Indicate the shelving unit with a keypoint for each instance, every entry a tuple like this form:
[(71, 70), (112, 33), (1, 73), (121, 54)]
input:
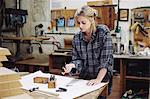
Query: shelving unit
[(134, 72), (62, 13), (138, 78), (141, 17), (106, 15)]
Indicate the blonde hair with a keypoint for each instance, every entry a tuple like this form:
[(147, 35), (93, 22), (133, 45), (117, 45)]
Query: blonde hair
[(90, 14)]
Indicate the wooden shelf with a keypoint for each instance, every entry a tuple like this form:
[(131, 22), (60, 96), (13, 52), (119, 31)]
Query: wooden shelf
[(106, 5), (24, 38), (138, 78)]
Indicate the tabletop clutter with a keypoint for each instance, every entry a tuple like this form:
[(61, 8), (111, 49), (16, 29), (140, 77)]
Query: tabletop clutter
[(51, 81), (44, 80)]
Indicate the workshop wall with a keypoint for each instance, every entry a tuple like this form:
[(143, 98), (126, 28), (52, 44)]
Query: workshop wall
[(9, 4), (75, 4), (125, 25), (124, 4), (39, 13)]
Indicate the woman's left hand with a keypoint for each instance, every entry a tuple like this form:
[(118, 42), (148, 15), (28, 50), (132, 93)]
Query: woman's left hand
[(93, 82)]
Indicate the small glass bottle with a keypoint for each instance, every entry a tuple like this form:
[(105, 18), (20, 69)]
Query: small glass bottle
[(131, 47)]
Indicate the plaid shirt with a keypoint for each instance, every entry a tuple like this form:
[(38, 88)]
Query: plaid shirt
[(90, 57)]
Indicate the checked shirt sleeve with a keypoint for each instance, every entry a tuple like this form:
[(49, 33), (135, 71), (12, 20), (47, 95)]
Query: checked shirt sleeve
[(106, 59), (75, 57)]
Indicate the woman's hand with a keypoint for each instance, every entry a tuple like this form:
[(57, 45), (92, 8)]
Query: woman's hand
[(99, 78), (68, 68), (93, 82)]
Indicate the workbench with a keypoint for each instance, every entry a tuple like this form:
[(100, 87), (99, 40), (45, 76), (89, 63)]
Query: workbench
[(27, 38), (19, 40), (123, 60), (33, 64), (36, 95), (77, 89), (58, 59)]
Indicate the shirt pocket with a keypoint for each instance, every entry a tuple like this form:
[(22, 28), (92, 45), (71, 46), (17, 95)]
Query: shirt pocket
[(97, 47)]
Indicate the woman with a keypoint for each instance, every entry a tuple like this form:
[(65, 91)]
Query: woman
[(92, 54)]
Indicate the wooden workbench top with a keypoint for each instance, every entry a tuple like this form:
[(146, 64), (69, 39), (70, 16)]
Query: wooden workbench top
[(42, 61), (131, 57)]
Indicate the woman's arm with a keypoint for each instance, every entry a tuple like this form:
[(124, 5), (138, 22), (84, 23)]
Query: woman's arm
[(76, 60), (106, 58)]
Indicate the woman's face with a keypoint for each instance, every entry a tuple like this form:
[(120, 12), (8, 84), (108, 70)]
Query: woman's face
[(84, 24)]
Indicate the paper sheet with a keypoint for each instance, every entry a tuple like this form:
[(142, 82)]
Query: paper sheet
[(75, 87)]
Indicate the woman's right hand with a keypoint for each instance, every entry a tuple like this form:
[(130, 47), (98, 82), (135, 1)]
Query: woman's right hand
[(68, 68)]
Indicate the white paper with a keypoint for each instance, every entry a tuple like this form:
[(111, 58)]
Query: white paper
[(75, 87)]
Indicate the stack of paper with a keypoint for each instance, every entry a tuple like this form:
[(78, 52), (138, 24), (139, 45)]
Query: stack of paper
[(3, 53), (9, 83)]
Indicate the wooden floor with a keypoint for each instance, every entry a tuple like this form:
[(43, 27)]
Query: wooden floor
[(115, 88)]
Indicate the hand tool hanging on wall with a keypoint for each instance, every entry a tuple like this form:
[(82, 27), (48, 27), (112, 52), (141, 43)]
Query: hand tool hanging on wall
[(30, 48), (40, 48), (38, 30)]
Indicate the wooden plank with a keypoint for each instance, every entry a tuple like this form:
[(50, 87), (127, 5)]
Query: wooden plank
[(57, 53), (21, 96), (24, 38), (35, 62), (9, 85), (11, 92), (5, 71), (1, 64), (4, 51), (8, 75), (138, 78), (3, 58)]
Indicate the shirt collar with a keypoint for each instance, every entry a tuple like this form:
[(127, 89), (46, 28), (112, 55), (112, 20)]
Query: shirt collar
[(82, 36)]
